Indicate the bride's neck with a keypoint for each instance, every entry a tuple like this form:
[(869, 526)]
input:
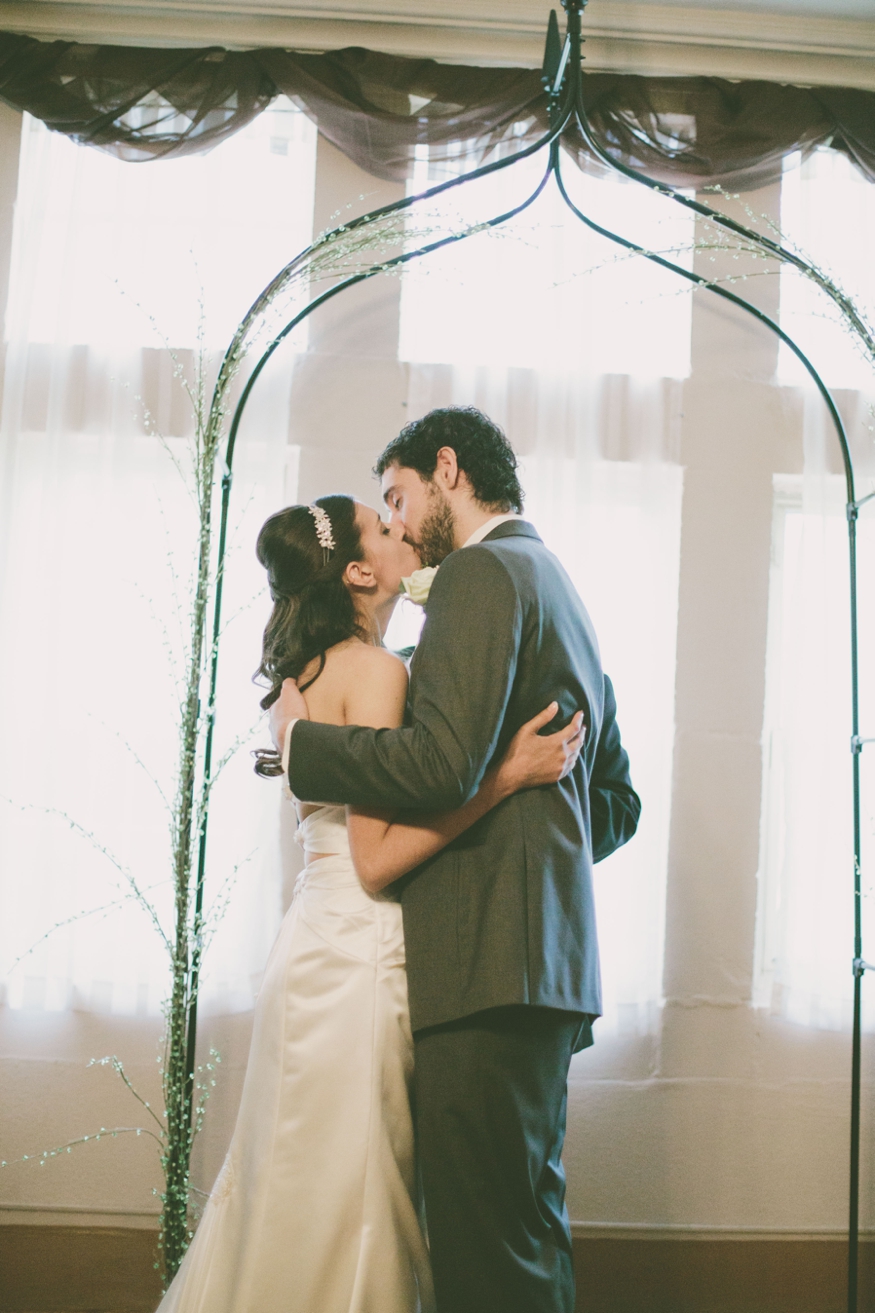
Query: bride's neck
[(374, 618)]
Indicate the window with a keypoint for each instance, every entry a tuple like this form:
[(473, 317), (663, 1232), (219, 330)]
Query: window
[(805, 914), (544, 292), (99, 536), (631, 592), (132, 247), (828, 212)]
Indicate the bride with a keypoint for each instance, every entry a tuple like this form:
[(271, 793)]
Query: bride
[(315, 1209)]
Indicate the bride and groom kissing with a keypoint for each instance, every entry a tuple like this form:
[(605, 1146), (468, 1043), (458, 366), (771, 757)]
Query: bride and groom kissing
[(398, 1144)]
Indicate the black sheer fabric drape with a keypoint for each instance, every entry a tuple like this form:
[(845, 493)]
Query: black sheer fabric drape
[(144, 104)]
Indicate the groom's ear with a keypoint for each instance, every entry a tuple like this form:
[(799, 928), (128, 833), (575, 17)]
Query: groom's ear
[(446, 470)]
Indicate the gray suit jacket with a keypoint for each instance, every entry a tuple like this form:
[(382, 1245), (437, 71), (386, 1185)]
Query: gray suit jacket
[(504, 914)]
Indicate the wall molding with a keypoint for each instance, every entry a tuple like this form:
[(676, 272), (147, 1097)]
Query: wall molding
[(622, 36), (77, 1215), (81, 1215), (693, 1231)]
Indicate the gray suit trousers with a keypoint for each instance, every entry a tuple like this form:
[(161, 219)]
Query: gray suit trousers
[(490, 1099)]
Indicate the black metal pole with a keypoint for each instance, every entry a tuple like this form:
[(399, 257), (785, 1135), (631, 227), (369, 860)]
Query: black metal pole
[(197, 953), (858, 964)]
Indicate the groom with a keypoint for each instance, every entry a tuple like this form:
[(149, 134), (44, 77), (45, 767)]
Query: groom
[(502, 958)]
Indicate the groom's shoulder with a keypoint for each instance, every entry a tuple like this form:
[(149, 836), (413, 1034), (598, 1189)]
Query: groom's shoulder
[(494, 562), (475, 566), (473, 580), (515, 545), (535, 572)]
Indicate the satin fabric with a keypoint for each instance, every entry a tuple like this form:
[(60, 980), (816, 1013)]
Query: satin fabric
[(315, 1209)]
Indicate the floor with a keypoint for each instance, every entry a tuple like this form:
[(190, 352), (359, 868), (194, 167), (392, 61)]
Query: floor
[(83, 1270)]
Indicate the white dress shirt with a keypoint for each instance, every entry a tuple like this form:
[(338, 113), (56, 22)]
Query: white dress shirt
[(479, 534)]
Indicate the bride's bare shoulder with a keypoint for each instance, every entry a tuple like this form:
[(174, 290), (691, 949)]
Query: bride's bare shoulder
[(363, 661), (359, 685), (375, 686)]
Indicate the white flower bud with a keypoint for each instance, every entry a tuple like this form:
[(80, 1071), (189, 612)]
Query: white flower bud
[(417, 586)]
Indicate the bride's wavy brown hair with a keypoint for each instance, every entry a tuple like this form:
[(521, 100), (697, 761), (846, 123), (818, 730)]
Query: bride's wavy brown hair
[(312, 606)]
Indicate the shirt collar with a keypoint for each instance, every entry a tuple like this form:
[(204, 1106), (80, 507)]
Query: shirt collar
[(485, 529)]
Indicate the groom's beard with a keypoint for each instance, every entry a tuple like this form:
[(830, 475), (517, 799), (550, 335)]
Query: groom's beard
[(437, 531)]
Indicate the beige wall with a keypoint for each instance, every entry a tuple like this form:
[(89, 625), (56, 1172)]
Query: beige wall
[(804, 42), (726, 1118)]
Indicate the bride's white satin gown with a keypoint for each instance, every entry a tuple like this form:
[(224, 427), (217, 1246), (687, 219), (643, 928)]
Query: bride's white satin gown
[(314, 1210)]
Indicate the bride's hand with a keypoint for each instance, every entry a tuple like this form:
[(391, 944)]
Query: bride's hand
[(533, 759)]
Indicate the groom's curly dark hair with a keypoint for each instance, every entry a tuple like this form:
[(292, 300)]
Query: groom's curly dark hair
[(481, 448)]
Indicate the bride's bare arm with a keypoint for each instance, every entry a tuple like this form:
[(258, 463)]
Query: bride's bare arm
[(384, 848)]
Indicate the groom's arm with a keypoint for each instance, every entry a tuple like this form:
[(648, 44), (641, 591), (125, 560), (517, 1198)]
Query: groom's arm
[(464, 671), (614, 804)]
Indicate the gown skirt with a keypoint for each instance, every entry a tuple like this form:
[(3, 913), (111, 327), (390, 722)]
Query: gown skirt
[(315, 1209)]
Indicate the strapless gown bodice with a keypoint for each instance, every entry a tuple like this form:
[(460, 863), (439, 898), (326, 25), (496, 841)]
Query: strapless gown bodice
[(316, 1207), (324, 830)]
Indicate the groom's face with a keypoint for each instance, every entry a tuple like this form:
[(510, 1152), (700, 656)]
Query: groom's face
[(423, 511)]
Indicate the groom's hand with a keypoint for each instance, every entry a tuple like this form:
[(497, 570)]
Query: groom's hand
[(289, 706)]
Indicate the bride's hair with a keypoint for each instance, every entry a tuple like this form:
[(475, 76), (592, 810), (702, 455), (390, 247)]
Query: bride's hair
[(312, 606)]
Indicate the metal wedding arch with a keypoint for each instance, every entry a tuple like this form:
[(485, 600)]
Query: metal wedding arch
[(562, 80)]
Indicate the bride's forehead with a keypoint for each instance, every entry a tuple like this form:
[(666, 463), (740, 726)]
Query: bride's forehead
[(366, 515)]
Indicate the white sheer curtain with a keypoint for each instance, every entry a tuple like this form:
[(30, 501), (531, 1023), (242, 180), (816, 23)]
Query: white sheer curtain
[(828, 211), (805, 915), (98, 542), (543, 291), (805, 922)]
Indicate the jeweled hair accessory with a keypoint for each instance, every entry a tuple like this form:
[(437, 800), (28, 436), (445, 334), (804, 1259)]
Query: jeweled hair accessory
[(323, 530)]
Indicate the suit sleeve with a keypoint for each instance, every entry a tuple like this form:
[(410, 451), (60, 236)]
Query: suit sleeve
[(461, 682), (614, 804)]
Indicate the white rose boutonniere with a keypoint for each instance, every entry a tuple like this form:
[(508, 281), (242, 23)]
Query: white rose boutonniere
[(417, 586)]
